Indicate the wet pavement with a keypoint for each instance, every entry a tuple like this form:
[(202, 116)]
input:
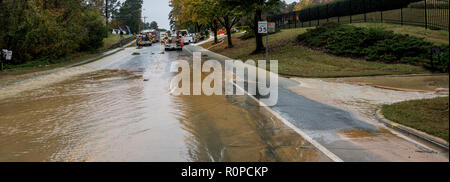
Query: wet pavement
[(338, 130), (105, 111)]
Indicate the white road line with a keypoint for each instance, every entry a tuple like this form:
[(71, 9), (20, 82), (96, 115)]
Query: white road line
[(316, 144)]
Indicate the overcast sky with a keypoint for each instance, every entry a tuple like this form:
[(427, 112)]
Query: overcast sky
[(158, 10)]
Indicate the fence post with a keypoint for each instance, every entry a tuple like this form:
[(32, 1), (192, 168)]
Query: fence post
[(339, 14), (365, 11), (318, 16), (309, 12), (426, 18), (350, 10), (295, 19), (401, 16), (381, 13)]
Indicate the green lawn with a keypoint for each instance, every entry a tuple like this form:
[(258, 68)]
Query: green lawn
[(430, 115), (295, 60), (112, 39)]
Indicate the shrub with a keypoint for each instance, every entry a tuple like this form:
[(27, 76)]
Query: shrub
[(45, 35), (399, 48), (96, 32), (318, 37), (373, 44)]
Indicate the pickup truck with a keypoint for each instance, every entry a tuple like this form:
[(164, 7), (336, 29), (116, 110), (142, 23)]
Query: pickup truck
[(187, 37)]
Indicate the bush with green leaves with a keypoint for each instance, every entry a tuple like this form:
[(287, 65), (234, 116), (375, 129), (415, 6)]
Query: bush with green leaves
[(373, 44), (96, 32), (45, 34)]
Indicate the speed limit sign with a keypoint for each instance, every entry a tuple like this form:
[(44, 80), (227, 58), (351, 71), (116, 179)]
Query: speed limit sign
[(262, 27)]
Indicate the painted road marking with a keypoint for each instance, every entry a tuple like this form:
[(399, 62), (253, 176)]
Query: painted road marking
[(316, 144)]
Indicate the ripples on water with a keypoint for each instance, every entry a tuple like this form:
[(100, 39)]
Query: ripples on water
[(112, 115)]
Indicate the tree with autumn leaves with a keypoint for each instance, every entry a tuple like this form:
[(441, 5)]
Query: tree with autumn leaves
[(222, 13)]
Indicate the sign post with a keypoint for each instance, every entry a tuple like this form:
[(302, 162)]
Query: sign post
[(270, 29), (6, 55), (263, 29), (1, 61)]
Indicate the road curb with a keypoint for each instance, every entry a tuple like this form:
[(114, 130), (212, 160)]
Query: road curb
[(411, 131)]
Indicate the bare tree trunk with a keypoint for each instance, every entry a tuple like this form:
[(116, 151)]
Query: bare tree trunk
[(230, 43), (214, 29), (228, 25)]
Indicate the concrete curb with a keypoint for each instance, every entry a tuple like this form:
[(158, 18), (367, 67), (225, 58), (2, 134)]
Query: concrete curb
[(411, 131)]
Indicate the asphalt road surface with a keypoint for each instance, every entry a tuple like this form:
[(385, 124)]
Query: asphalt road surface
[(119, 108)]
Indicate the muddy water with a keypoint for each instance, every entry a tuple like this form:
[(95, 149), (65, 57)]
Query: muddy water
[(113, 115)]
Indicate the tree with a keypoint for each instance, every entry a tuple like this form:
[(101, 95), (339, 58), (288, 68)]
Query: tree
[(46, 31), (213, 13), (302, 4), (278, 8), (153, 25), (130, 14), (255, 9), (228, 15), (111, 9), (291, 7)]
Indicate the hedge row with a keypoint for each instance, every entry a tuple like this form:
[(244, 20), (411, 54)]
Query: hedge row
[(374, 44), (349, 7)]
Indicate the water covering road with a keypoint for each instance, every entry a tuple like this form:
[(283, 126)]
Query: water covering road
[(105, 111)]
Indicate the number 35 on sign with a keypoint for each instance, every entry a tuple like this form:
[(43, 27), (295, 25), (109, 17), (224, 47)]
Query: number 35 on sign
[(262, 27)]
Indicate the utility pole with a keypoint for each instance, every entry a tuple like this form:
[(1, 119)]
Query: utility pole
[(106, 11), (140, 18), (145, 18)]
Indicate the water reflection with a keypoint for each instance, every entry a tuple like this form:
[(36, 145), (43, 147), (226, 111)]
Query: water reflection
[(113, 115)]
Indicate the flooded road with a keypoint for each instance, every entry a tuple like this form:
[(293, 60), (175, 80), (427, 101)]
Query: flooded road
[(105, 111)]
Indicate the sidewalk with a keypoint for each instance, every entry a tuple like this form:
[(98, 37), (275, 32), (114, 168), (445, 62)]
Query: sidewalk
[(340, 131)]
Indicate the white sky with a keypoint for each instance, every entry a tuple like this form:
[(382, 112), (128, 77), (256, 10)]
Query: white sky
[(158, 10)]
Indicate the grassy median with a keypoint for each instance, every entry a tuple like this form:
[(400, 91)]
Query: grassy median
[(429, 115), (296, 60)]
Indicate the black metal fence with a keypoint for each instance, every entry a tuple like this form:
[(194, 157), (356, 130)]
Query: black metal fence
[(431, 14)]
